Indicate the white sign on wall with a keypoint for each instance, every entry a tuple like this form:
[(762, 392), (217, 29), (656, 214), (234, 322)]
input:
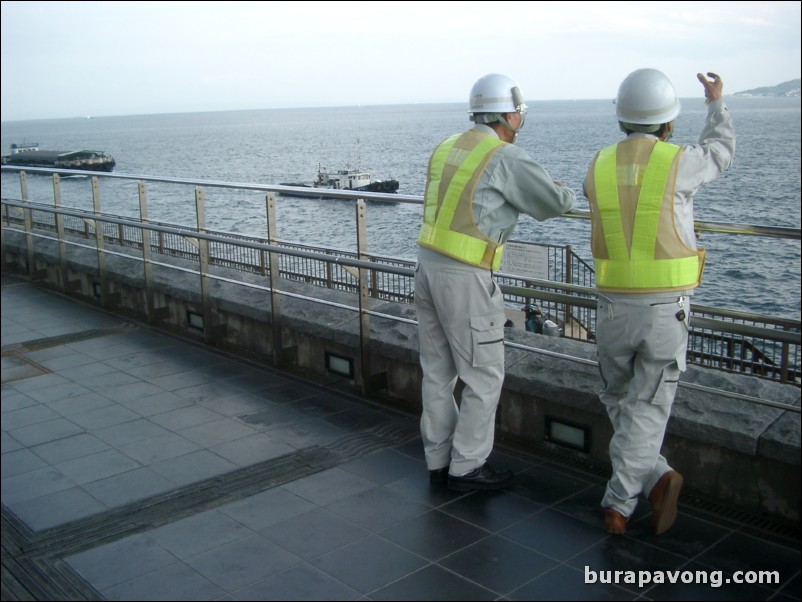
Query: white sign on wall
[(526, 259)]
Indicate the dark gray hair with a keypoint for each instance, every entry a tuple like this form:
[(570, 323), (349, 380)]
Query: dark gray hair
[(639, 127), (485, 117)]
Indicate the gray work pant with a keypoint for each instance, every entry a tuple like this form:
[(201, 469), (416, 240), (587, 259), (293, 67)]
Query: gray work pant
[(460, 311), (641, 348)]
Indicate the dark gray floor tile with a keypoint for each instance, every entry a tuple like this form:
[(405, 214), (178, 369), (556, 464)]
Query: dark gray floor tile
[(69, 448), (384, 466), (283, 390), (57, 508), (120, 561), (95, 467), (621, 553), (156, 404), (193, 467), (308, 432), (739, 552), (104, 416), (432, 583), (27, 416), (369, 563), (359, 419), (44, 432), (434, 534), (126, 433), (108, 381), (267, 508), (185, 417), (252, 449), (67, 363), (20, 461), (498, 564), (176, 581), (329, 486), (206, 392), (314, 533), (301, 582), (8, 443), (223, 430), (546, 485), (12, 400), (129, 487), (233, 403), (791, 588), (688, 537), (271, 416), (242, 562), (418, 488), (139, 389), (491, 510), (87, 371), (183, 380), (79, 404), (198, 533), (59, 391), (376, 509), (254, 381), (697, 582), (322, 404), (555, 534), (566, 583), (45, 381), (161, 447)]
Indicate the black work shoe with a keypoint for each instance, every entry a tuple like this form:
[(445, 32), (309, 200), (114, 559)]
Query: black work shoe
[(439, 476), (485, 478)]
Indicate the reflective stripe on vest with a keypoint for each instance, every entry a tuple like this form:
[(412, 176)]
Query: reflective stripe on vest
[(470, 245), (638, 268)]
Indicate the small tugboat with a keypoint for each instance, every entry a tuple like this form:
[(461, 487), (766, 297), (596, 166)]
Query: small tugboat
[(29, 155), (343, 179)]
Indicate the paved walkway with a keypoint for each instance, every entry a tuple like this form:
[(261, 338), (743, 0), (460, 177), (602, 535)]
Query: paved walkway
[(139, 466)]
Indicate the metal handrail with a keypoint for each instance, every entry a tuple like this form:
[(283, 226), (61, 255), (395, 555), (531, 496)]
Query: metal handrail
[(566, 294)]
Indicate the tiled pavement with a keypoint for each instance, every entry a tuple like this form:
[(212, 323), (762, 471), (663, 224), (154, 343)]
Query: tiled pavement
[(139, 466)]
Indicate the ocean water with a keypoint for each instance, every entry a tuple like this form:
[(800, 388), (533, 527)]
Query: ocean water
[(747, 273)]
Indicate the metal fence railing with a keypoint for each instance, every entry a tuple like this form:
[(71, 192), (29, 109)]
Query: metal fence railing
[(764, 346)]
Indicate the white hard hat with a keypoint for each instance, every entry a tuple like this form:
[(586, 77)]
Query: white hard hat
[(647, 97), (496, 93)]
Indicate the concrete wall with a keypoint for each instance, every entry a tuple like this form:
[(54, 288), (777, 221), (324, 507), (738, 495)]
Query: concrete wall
[(737, 453)]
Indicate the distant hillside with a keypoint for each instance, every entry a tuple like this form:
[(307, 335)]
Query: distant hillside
[(790, 88)]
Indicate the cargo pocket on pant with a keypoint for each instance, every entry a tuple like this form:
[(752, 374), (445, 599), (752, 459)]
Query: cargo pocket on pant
[(667, 388), (487, 340)]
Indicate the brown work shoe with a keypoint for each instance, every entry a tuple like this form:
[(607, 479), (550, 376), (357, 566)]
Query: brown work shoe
[(615, 522), (663, 498)]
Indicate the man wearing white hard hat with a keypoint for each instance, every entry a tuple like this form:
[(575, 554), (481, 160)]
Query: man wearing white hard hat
[(647, 264), (478, 183)]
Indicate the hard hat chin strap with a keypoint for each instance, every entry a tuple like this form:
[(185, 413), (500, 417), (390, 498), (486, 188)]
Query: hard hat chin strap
[(512, 129)]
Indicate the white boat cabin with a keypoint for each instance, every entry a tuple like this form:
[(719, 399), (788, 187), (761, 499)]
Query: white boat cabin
[(344, 179)]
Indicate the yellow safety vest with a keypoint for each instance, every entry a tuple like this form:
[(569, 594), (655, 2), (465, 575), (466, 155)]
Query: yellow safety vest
[(634, 241), (449, 226)]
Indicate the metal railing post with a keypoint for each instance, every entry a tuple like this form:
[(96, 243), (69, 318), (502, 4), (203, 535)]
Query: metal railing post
[(62, 243), (27, 213), (369, 381), (274, 272), (203, 262), (100, 243), (147, 253)]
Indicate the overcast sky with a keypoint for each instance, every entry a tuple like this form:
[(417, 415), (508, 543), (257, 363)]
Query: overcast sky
[(68, 59)]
